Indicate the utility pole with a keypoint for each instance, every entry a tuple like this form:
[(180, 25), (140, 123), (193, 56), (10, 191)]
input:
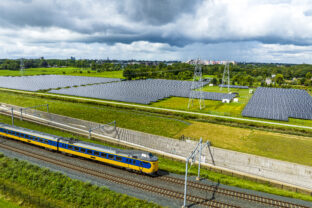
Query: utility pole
[(198, 149), (12, 115)]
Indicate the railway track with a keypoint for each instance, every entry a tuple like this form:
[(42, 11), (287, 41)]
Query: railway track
[(235, 194), (125, 181)]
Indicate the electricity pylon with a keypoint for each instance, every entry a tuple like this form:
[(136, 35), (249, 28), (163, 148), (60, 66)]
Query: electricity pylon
[(197, 88), (226, 77)]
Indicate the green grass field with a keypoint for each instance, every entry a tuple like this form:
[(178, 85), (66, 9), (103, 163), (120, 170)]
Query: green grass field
[(285, 147), (211, 106), (37, 187), (62, 71), (175, 166), (6, 204)]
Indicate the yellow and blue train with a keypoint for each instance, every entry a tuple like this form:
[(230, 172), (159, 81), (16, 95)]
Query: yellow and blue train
[(129, 159)]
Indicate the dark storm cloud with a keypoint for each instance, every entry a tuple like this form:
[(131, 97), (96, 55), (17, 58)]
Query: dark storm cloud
[(175, 22), (157, 12)]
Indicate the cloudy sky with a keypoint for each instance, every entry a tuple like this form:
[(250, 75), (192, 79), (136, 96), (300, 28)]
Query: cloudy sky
[(241, 30)]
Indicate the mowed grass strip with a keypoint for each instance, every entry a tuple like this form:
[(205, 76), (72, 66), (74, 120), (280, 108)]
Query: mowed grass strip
[(63, 71), (211, 106), (131, 119), (172, 166), (285, 147)]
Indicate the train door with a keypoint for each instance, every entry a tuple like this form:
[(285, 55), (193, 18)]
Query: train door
[(128, 162), (141, 166)]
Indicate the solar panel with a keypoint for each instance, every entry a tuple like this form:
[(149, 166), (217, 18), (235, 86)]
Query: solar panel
[(41, 82), (279, 104), (141, 91)]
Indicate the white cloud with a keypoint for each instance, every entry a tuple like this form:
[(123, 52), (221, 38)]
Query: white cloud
[(263, 30)]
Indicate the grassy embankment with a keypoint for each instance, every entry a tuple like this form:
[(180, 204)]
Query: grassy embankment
[(63, 71), (284, 147), (29, 182), (177, 167), (259, 142)]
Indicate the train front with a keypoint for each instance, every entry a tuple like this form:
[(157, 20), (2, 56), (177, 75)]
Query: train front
[(153, 161)]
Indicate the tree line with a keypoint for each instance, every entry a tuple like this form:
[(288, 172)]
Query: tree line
[(241, 74), (9, 64)]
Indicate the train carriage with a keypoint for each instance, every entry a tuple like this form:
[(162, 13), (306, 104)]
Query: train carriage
[(130, 159), (29, 136)]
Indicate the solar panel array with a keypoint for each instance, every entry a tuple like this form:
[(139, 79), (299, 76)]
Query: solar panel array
[(140, 91), (279, 104), (34, 83), (235, 86)]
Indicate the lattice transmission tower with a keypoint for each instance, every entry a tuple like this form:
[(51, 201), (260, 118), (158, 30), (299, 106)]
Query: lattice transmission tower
[(197, 87), (226, 77), (22, 66)]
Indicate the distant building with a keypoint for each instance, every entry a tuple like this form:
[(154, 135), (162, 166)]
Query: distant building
[(268, 81), (226, 100), (210, 62)]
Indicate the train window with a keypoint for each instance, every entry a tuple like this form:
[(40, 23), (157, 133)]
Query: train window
[(70, 147), (83, 150), (111, 156), (133, 161), (89, 152), (46, 141), (127, 160), (77, 148), (96, 153), (104, 155), (22, 135), (40, 140), (118, 158), (26, 136)]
